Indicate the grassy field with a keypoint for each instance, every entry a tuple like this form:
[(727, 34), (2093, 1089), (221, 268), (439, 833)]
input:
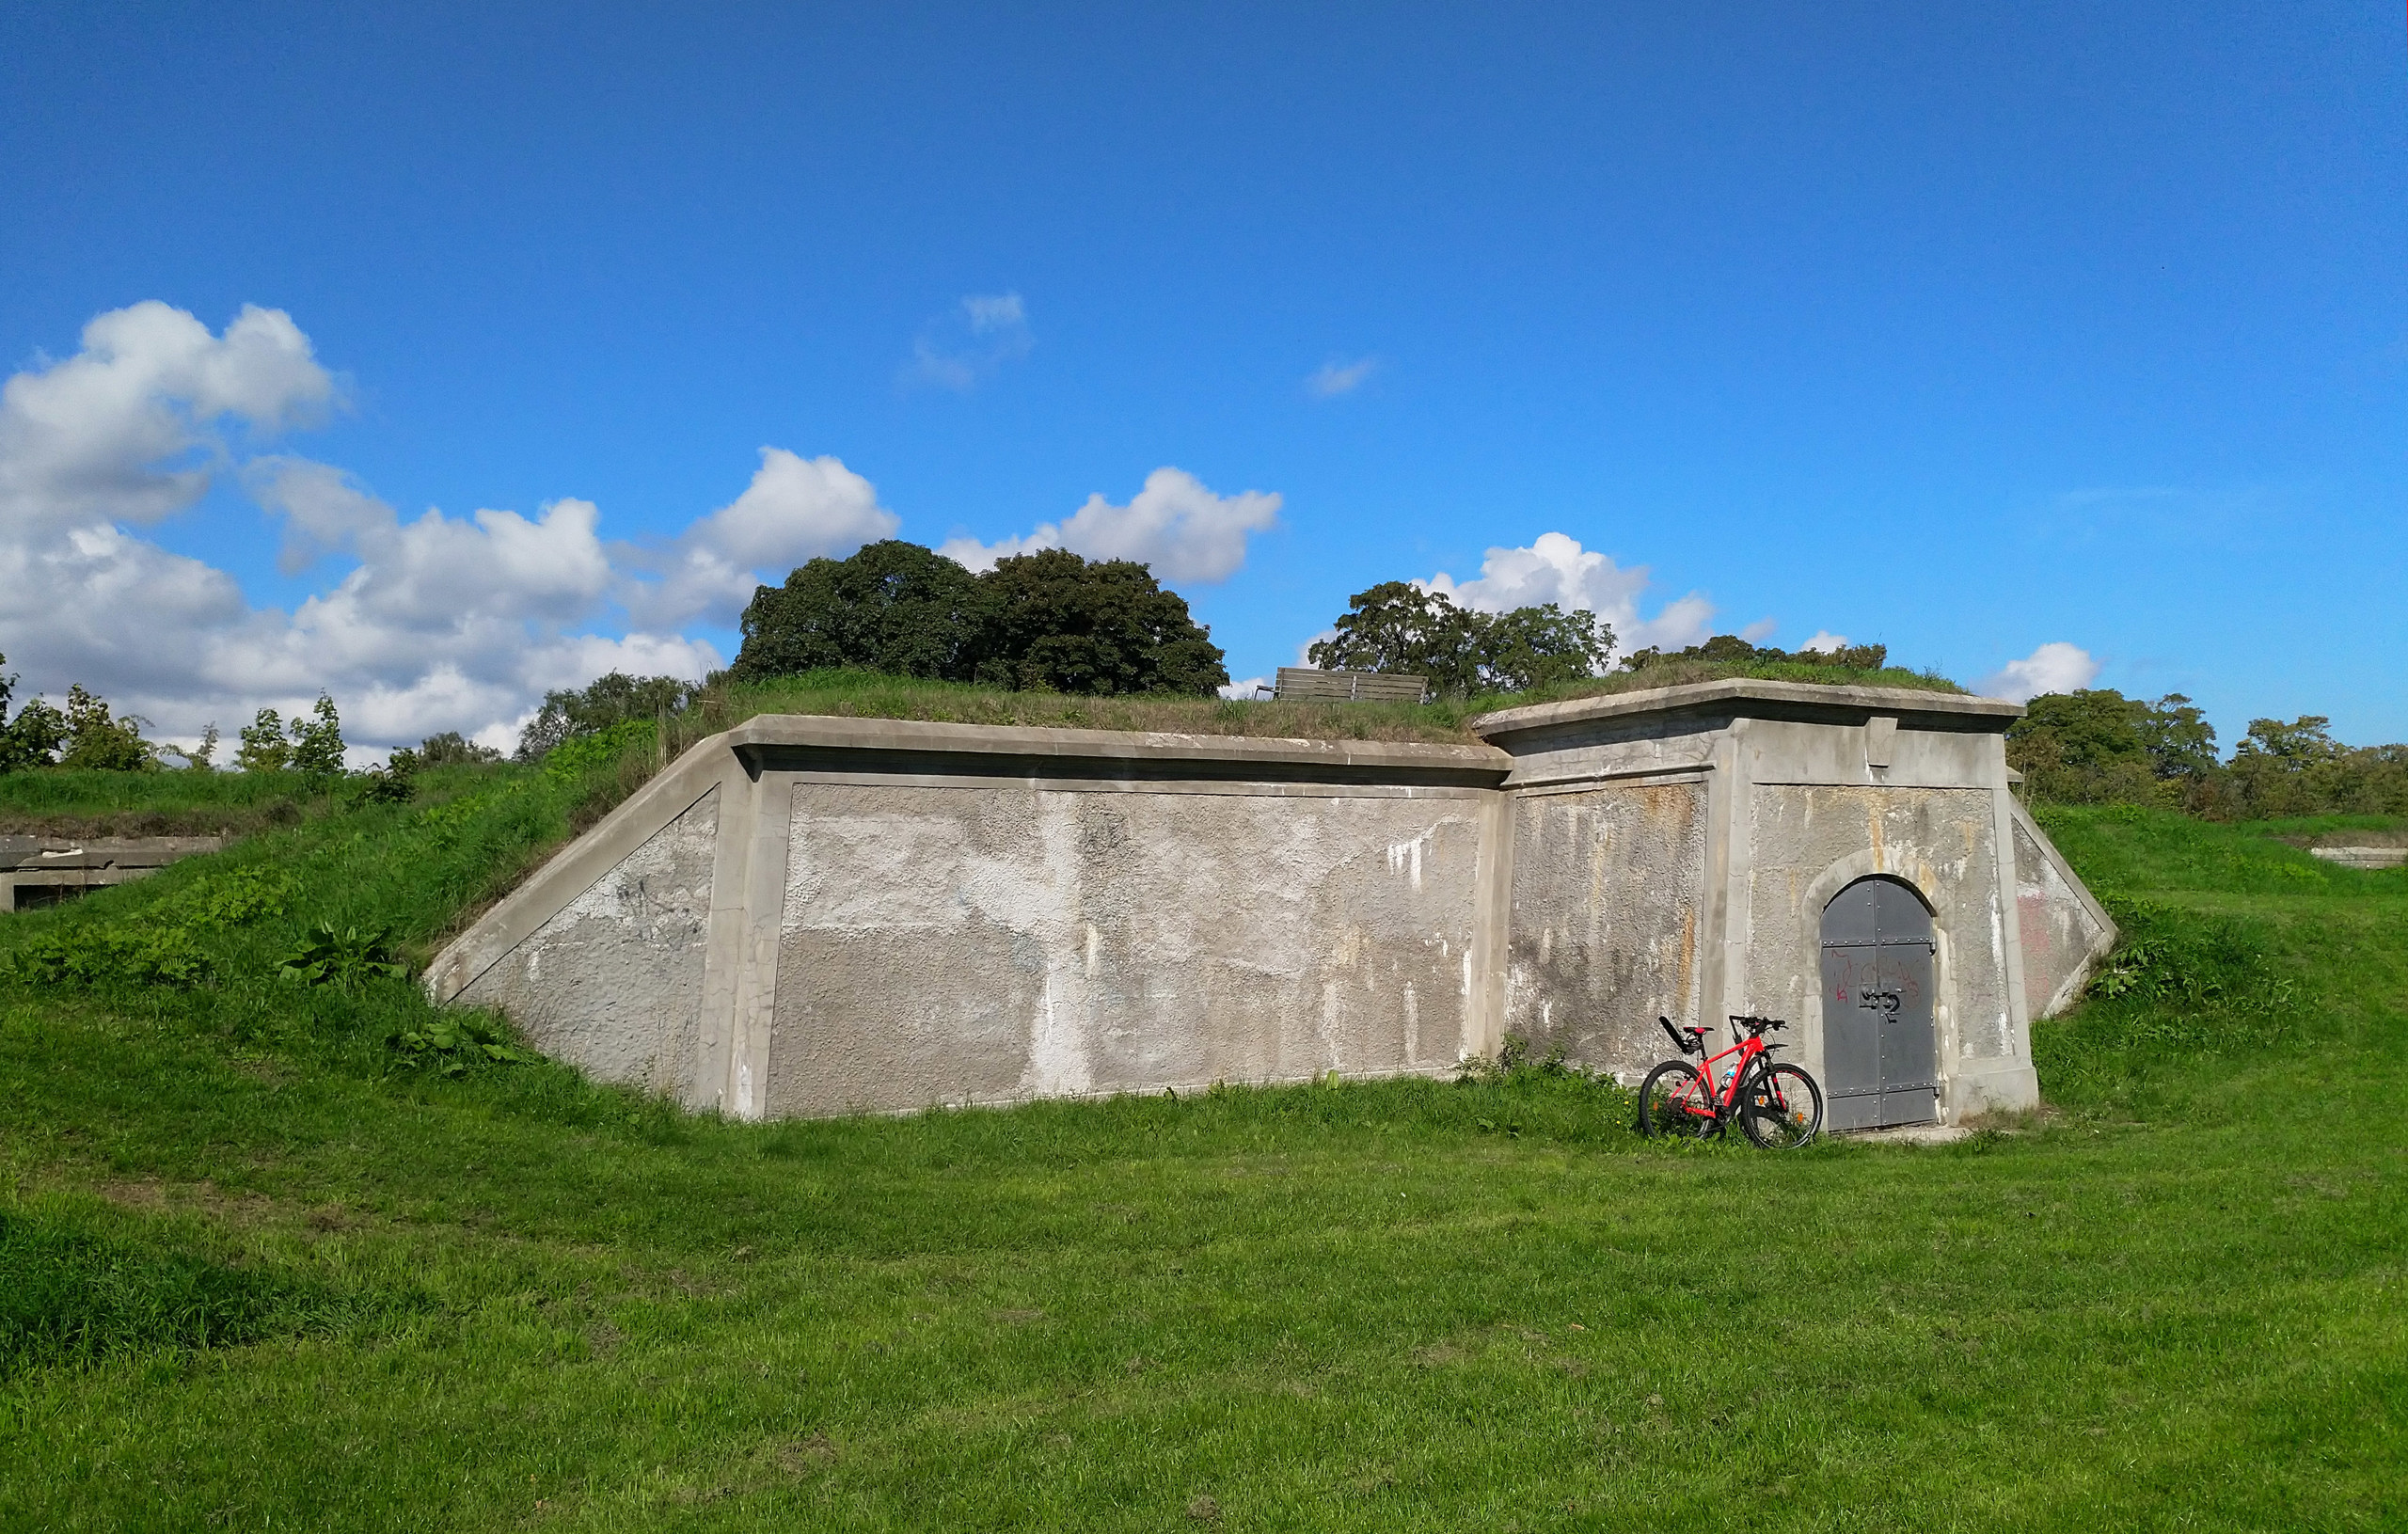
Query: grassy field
[(260, 1269)]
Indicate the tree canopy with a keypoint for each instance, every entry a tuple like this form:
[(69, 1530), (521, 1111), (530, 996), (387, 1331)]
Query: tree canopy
[(1054, 620), (1404, 629), (614, 698), (2099, 747), (1050, 620), (1731, 650), (891, 607)]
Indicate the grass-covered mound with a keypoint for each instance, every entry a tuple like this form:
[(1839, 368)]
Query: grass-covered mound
[(265, 1267), (873, 695), (68, 802)]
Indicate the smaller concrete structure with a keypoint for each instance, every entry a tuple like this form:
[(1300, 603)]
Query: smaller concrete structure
[(2364, 857), (45, 870)]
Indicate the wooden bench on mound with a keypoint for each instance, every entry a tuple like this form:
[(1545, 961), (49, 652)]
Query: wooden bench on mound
[(1306, 684)]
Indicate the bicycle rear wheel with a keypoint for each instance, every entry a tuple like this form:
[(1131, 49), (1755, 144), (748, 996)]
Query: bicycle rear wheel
[(1780, 1108), (1674, 1103)]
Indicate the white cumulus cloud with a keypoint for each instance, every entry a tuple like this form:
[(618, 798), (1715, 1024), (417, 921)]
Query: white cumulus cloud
[(1825, 641), (437, 623), (128, 430), (1553, 567), (2054, 667), (795, 508), (1189, 535)]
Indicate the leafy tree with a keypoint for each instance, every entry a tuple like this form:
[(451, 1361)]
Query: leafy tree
[(1045, 619), (32, 738), (1054, 620), (451, 748), (1405, 630), (891, 607), (317, 741), (200, 756), (96, 739), (1730, 649), (2181, 742), (264, 747), (1531, 647), (2084, 747), (2292, 769), (610, 699)]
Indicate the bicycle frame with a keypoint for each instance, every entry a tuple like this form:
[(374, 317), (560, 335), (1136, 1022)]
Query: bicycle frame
[(1719, 1101)]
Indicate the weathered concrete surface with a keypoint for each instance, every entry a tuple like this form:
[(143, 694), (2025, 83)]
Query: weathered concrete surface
[(2066, 932), (1809, 788), (39, 870), (1809, 843), (947, 945), (2362, 857), (1609, 885), (614, 980), (812, 915)]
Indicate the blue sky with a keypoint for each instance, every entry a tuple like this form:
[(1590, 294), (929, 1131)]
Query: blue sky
[(1970, 333)]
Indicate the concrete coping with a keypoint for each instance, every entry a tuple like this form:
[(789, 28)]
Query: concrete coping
[(774, 741), (27, 853), (1810, 701)]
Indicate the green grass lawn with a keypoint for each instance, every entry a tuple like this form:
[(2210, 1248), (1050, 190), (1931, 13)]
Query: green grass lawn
[(255, 1273)]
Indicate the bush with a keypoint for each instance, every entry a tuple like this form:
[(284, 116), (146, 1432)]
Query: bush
[(607, 703)]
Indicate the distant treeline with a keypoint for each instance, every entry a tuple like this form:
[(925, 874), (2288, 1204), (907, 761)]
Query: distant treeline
[(2099, 747)]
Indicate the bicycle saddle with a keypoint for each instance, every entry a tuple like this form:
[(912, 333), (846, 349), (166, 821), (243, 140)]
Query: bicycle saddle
[(1693, 1044)]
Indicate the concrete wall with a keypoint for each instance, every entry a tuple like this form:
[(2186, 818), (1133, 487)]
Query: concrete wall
[(1812, 842), (1609, 889), (950, 944), (2066, 932), (811, 916), (1806, 789), (614, 979)]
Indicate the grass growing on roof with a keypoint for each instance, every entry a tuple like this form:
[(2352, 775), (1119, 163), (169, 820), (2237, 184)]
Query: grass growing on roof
[(505, 1298), (875, 695)]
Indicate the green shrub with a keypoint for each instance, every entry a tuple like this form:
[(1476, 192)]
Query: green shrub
[(449, 1042), (104, 955), (344, 957)]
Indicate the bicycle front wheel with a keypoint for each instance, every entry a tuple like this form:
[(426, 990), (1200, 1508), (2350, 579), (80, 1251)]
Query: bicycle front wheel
[(1780, 1108), (1674, 1103)]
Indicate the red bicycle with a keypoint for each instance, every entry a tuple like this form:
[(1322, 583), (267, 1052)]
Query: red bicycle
[(1778, 1106)]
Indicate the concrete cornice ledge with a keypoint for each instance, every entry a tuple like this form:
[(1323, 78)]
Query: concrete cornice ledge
[(1747, 696), (775, 741)]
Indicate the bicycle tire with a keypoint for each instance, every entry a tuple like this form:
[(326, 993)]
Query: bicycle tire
[(1674, 1104), (1780, 1108)]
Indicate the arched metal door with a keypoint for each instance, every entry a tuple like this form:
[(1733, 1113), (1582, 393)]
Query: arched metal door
[(1881, 1051)]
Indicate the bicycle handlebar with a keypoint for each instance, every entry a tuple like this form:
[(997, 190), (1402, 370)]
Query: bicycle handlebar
[(1692, 1040)]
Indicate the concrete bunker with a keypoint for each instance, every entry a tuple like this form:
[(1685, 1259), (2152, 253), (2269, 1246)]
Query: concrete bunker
[(45, 870), (810, 915)]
